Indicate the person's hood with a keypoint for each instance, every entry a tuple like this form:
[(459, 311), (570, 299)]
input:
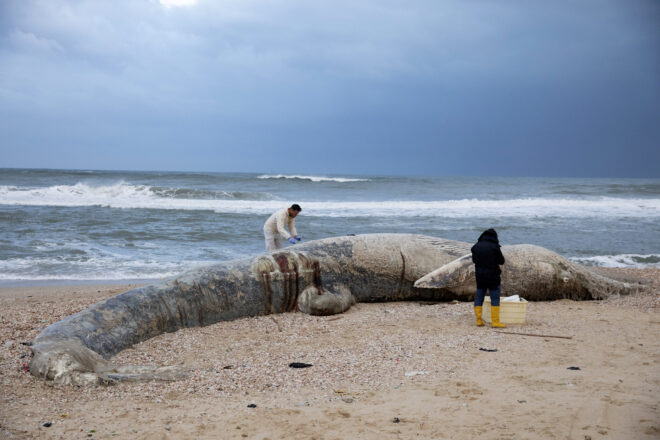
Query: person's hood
[(489, 235)]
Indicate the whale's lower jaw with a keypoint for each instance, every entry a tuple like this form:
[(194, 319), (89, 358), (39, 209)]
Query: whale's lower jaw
[(69, 362)]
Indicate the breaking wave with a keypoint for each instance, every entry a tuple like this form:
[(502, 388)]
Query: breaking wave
[(127, 196), (122, 195), (622, 260), (312, 178), (94, 268)]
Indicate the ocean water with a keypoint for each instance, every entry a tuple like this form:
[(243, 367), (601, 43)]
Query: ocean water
[(79, 226)]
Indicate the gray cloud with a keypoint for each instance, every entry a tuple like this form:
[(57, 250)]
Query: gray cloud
[(550, 88)]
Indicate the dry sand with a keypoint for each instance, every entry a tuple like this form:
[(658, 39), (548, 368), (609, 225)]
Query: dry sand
[(380, 371)]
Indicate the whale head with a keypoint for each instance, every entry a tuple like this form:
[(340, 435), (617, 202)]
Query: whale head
[(530, 271)]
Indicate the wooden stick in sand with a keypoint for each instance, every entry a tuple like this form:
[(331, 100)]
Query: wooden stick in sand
[(334, 318), (532, 334)]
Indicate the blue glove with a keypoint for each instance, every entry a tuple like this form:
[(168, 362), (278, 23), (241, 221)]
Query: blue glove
[(291, 240), (298, 237)]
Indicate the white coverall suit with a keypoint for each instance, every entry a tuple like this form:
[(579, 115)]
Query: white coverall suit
[(274, 229)]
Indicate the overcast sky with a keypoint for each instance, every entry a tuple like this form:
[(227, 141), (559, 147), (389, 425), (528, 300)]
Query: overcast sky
[(437, 87)]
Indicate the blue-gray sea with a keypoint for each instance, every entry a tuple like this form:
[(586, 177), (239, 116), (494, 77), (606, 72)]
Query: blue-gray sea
[(81, 226)]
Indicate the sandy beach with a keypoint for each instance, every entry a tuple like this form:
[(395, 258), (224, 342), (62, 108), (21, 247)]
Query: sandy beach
[(379, 371)]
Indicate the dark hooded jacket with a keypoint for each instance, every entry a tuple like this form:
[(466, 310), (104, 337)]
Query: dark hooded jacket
[(487, 258)]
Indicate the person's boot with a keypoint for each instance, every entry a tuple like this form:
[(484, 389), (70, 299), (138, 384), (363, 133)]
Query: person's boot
[(477, 312), (495, 316)]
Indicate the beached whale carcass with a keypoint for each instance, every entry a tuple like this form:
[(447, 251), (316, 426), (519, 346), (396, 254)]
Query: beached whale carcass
[(319, 277)]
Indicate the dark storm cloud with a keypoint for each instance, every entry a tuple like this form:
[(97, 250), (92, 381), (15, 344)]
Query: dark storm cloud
[(450, 87)]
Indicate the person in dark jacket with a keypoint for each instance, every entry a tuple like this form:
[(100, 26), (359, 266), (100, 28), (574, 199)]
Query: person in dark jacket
[(487, 258)]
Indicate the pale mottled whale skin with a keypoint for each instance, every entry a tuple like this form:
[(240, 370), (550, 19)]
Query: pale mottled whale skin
[(318, 277), (530, 271)]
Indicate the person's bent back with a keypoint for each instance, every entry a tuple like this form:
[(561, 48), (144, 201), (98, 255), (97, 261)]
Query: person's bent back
[(275, 228)]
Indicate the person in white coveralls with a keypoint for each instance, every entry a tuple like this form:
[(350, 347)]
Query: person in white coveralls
[(275, 228)]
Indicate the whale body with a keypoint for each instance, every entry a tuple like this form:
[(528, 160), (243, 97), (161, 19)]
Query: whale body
[(320, 277)]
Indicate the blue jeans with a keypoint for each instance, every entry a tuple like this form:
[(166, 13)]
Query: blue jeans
[(494, 297)]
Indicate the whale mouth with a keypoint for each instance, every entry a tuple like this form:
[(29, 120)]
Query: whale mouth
[(71, 363)]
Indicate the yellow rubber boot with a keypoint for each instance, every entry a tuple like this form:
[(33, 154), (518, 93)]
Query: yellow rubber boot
[(477, 312), (495, 316)]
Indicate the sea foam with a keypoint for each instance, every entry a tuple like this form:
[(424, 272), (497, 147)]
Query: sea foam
[(128, 196), (312, 178), (88, 268), (622, 260)]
